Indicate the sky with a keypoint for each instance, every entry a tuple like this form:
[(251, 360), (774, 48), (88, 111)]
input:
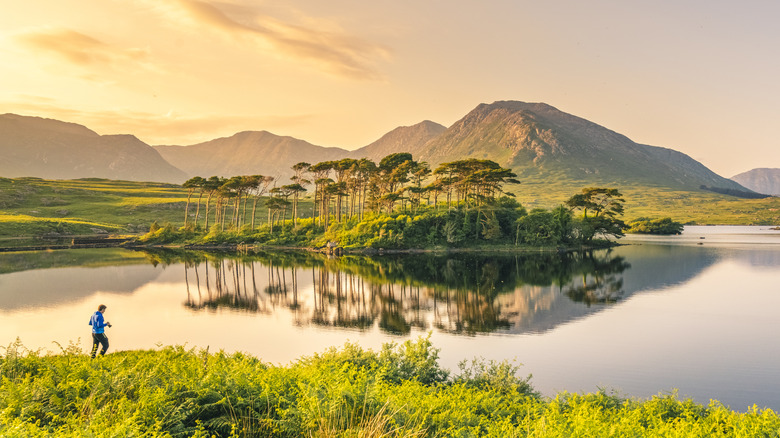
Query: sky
[(698, 76)]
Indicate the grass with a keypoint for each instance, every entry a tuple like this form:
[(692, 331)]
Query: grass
[(31, 206), (399, 391), (21, 224), (698, 207)]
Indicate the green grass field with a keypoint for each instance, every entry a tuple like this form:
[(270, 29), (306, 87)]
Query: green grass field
[(34, 206), (31, 206), (698, 207)]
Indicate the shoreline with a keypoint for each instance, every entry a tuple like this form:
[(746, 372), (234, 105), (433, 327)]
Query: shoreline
[(128, 243)]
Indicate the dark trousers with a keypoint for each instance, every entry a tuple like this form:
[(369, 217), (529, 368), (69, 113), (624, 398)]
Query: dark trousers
[(99, 338)]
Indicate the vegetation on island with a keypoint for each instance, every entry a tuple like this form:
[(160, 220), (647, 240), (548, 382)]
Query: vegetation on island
[(663, 226), (398, 391), (393, 204), (35, 208)]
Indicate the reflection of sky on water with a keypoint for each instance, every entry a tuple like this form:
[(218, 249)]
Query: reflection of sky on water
[(53, 287), (735, 236), (696, 317)]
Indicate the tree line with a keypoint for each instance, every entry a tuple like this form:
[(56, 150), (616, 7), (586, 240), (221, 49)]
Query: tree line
[(396, 203), (345, 189)]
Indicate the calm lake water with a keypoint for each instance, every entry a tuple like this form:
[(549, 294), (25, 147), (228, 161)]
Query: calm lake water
[(696, 313)]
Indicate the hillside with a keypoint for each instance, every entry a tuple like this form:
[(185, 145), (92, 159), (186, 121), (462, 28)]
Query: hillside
[(762, 180), (247, 153), (412, 139), (32, 146), (253, 152), (540, 142)]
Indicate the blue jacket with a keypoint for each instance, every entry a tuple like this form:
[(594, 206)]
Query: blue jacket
[(97, 323)]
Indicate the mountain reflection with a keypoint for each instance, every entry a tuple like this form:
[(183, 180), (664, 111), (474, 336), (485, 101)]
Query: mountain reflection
[(454, 293)]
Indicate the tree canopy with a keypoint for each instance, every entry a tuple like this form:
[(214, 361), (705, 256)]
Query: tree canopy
[(605, 206)]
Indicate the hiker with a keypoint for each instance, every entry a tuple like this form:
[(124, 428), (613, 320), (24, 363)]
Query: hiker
[(98, 331)]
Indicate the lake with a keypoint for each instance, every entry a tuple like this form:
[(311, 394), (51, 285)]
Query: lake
[(695, 313)]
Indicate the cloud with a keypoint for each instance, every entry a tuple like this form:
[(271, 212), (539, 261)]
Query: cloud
[(329, 47), (80, 49)]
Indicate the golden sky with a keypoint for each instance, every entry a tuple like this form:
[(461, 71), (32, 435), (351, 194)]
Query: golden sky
[(701, 77)]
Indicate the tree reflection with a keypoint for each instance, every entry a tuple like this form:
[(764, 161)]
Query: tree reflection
[(456, 293), (601, 281)]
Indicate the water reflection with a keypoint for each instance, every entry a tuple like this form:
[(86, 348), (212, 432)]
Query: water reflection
[(460, 293), (34, 279), (709, 307)]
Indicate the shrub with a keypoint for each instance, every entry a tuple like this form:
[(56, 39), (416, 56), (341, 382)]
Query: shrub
[(348, 391), (165, 234), (538, 228), (663, 226)]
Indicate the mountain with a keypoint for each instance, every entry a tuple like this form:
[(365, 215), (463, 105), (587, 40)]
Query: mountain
[(247, 153), (762, 180), (46, 148), (538, 140), (410, 139), (261, 152), (542, 144)]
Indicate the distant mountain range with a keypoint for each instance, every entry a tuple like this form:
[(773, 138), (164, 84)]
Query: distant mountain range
[(762, 180), (535, 139), (32, 146), (246, 153)]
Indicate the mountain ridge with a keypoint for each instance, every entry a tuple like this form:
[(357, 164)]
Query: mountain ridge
[(536, 140), (246, 153), (48, 148), (411, 139), (764, 180)]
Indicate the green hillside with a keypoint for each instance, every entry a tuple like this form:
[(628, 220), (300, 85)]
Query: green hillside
[(699, 207), (34, 206)]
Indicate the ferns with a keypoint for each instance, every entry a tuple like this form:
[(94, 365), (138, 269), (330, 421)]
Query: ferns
[(397, 391)]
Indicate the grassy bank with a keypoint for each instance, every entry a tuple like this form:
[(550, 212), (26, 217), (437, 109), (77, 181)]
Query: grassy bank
[(398, 391)]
